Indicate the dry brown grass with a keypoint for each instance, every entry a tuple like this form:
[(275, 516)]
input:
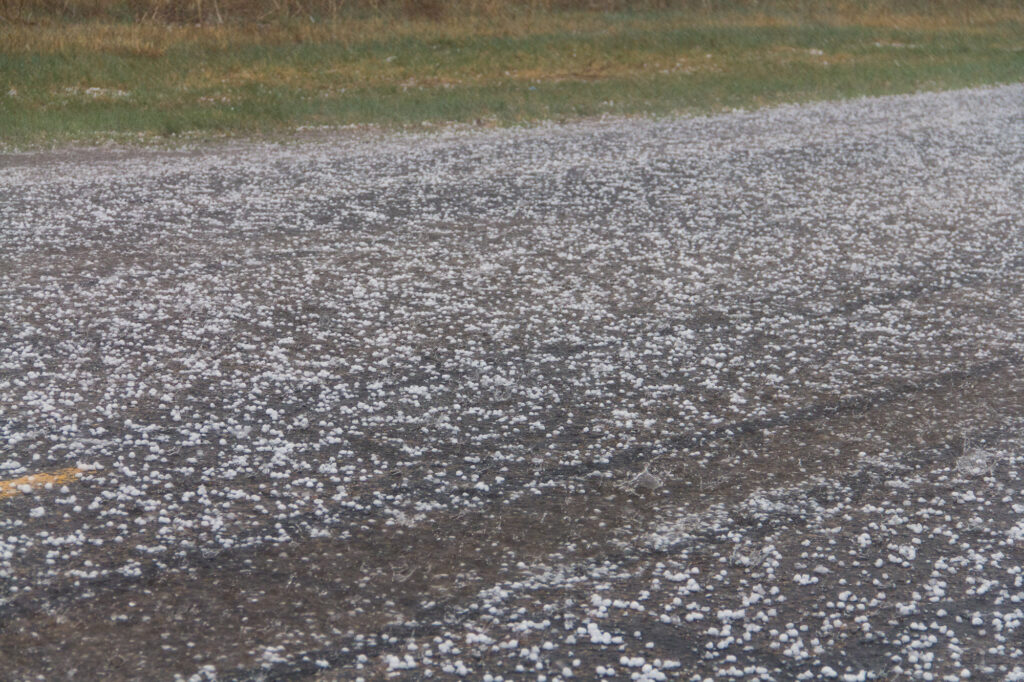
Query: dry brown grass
[(152, 38), (87, 25), (921, 14), (259, 11)]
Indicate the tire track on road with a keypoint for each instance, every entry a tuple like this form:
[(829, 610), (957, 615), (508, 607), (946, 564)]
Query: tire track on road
[(469, 536)]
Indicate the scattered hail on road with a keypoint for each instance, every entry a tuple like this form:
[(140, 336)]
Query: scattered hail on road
[(736, 396)]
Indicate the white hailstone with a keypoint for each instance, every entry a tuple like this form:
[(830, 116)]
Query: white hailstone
[(645, 480)]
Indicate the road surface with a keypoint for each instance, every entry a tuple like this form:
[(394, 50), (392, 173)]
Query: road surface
[(737, 396)]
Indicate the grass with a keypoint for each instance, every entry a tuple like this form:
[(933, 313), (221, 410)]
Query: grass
[(101, 78)]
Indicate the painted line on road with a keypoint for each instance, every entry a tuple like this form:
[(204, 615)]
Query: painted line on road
[(26, 484)]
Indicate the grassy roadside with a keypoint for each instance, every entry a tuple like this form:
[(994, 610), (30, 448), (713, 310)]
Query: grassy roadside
[(64, 81)]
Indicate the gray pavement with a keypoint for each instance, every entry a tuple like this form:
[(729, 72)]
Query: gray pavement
[(737, 396)]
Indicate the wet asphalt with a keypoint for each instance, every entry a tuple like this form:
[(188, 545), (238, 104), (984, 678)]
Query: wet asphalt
[(736, 396)]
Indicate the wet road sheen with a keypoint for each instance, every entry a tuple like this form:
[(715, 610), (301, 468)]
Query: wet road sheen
[(733, 396)]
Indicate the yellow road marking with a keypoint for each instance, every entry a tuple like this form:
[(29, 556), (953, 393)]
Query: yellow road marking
[(26, 484)]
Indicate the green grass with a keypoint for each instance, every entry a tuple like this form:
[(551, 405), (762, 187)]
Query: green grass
[(63, 82)]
